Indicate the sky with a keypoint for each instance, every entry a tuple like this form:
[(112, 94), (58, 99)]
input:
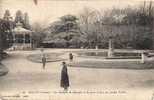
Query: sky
[(47, 11)]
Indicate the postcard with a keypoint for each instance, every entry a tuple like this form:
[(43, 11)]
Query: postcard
[(76, 50)]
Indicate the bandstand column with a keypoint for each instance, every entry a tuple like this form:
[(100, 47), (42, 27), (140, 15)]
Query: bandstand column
[(14, 41), (24, 42), (30, 41)]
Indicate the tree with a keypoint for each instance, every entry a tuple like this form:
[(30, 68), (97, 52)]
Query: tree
[(38, 35), (70, 27), (90, 22), (26, 21), (87, 21), (65, 29), (142, 19), (19, 17), (6, 38), (130, 27), (69, 23), (6, 26), (7, 15)]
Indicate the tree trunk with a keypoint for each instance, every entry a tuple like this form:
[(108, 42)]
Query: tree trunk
[(1, 46)]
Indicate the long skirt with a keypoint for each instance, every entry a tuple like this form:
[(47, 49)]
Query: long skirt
[(64, 80)]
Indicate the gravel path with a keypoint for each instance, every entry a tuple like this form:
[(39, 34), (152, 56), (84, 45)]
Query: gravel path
[(26, 75)]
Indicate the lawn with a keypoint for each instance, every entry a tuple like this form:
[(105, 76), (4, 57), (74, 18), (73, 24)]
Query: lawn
[(113, 64)]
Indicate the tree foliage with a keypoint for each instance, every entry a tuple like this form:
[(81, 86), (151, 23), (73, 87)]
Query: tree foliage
[(131, 27), (38, 34), (65, 30), (5, 34)]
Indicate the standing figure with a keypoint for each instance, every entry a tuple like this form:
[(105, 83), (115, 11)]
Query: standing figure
[(43, 61), (71, 57), (144, 57), (64, 77)]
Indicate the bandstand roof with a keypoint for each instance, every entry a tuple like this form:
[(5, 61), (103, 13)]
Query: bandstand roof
[(20, 30)]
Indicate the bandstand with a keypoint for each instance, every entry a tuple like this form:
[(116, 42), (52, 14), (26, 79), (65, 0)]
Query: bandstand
[(22, 38)]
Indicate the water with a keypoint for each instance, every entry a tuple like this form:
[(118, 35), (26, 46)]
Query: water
[(116, 54)]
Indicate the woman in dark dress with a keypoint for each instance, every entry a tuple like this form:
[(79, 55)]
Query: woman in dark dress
[(64, 77)]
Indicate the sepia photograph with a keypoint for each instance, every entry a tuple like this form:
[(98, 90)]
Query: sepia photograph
[(76, 50)]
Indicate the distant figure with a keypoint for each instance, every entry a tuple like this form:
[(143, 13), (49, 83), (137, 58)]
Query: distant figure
[(144, 56), (96, 47), (71, 57), (64, 77), (44, 61)]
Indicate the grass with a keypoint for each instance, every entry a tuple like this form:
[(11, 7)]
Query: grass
[(113, 64)]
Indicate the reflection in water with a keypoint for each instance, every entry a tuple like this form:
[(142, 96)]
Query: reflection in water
[(104, 54)]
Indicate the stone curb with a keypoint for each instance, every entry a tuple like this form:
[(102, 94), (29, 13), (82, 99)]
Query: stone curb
[(48, 60)]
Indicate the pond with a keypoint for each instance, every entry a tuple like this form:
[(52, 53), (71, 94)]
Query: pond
[(101, 54), (116, 54)]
